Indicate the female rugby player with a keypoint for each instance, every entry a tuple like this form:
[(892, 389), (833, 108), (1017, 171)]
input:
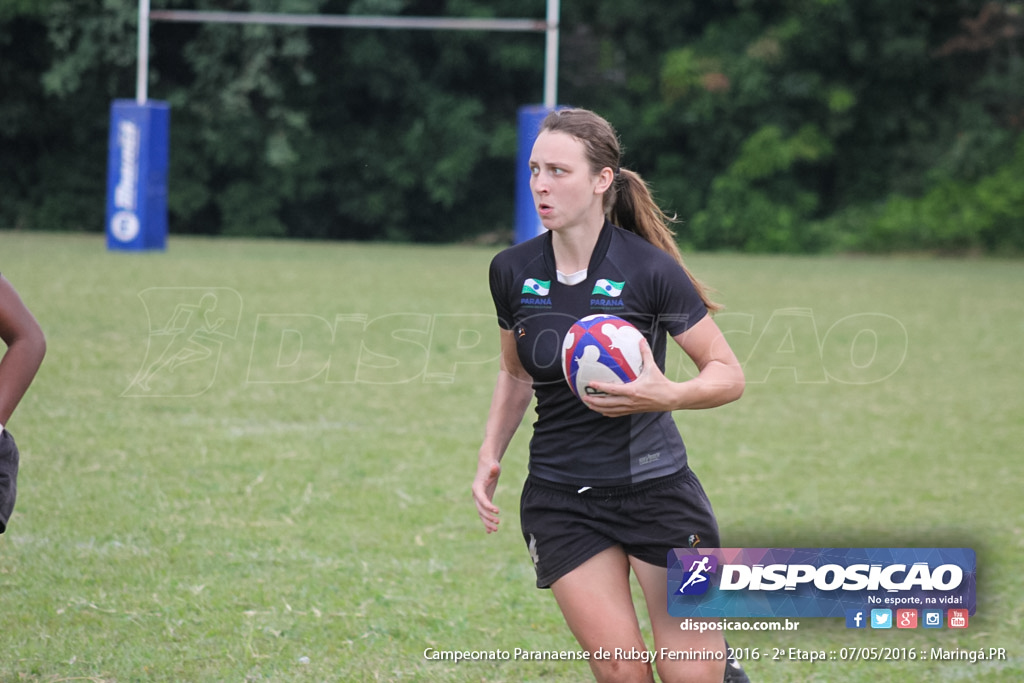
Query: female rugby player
[(609, 489)]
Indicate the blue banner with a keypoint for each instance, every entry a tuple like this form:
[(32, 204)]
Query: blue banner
[(527, 221), (137, 163)]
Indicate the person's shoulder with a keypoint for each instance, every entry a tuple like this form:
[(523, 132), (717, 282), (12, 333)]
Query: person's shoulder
[(521, 253), (631, 240), (638, 250)]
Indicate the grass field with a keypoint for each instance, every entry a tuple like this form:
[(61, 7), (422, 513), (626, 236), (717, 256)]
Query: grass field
[(294, 505)]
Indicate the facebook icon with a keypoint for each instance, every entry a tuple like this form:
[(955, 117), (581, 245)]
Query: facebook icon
[(855, 618)]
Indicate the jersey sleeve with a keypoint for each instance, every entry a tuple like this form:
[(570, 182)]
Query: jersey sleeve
[(677, 300), (500, 278)]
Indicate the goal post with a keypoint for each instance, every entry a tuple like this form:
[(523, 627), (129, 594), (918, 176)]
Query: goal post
[(139, 139)]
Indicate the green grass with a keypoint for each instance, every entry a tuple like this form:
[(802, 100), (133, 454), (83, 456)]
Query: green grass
[(284, 514)]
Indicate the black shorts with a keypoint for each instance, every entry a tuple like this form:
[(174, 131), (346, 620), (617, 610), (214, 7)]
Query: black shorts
[(8, 477), (564, 527)]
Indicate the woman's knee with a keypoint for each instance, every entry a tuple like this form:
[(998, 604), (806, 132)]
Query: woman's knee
[(621, 671), (691, 671)]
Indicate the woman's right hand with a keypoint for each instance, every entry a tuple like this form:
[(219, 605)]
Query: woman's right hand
[(513, 392), (486, 481)]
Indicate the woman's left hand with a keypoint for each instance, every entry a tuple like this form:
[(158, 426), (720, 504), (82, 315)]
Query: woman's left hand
[(648, 393), (719, 378)]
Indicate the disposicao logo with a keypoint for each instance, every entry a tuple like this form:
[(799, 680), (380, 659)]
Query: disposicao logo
[(818, 582), (608, 287), (536, 287)]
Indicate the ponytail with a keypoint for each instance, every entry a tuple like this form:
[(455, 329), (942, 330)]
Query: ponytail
[(633, 208)]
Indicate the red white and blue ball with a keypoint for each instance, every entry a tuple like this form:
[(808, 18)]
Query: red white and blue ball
[(601, 348)]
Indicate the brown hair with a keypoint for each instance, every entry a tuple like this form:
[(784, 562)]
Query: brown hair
[(628, 203)]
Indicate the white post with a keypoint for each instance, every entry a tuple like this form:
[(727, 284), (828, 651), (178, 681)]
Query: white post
[(550, 27), (551, 56), (142, 69)]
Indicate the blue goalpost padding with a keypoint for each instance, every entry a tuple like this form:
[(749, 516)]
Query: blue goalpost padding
[(527, 221), (137, 163)]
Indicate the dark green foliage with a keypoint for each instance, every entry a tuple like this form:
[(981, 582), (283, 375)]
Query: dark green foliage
[(795, 126), (986, 215), (61, 65)]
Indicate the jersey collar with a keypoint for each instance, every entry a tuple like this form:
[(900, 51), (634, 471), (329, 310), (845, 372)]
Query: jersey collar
[(600, 249)]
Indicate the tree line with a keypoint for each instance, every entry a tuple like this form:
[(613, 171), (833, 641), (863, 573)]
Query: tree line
[(790, 126)]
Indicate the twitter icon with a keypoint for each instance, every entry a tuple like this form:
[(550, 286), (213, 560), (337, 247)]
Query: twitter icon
[(881, 618)]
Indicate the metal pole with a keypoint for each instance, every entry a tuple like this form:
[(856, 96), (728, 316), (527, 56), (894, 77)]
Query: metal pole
[(142, 69), (550, 27), (551, 56), (349, 21)]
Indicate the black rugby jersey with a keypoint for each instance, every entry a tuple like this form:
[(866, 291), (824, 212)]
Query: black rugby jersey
[(628, 277)]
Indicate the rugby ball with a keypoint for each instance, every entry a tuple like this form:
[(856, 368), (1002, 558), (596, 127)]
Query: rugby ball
[(601, 348)]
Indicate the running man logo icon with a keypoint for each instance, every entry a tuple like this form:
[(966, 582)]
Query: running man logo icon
[(697, 579), (188, 327)]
